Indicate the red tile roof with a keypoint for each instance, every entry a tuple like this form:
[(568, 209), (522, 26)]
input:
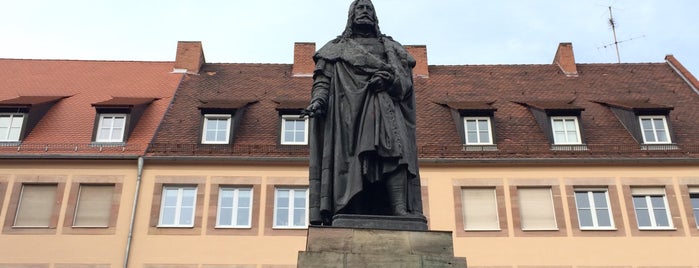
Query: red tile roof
[(501, 87), (67, 128)]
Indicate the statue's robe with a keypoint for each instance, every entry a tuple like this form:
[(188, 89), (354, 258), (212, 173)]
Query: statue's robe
[(364, 134)]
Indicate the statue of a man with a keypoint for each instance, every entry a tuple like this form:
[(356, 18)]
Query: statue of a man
[(363, 151)]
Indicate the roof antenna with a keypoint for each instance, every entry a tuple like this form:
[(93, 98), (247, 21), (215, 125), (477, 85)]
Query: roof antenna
[(612, 23)]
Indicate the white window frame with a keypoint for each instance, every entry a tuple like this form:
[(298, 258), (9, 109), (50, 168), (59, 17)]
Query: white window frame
[(593, 209), (111, 128), (283, 130), (651, 213), (234, 207), (565, 130), (654, 130), (290, 213), (495, 205), (478, 130), (208, 117), (694, 191), (16, 122), (178, 206)]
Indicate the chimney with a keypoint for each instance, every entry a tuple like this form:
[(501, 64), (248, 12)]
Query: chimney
[(303, 59), (190, 57), (566, 60), (419, 53)]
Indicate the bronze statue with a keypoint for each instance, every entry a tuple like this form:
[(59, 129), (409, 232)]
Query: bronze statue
[(363, 156)]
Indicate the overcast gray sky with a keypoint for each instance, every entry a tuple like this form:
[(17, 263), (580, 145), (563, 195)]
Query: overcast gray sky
[(455, 31)]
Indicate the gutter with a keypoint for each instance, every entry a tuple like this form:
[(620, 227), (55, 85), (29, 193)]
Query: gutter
[(129, 239)]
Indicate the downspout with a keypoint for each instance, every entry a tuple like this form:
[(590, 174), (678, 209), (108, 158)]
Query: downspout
[(133, 212)]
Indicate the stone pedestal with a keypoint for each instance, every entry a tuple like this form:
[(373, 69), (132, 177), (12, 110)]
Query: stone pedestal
[(352, 247)]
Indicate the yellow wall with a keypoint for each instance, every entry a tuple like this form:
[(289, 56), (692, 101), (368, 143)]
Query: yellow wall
[(265, 247)]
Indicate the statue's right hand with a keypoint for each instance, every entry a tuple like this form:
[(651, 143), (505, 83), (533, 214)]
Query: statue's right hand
[(312, 110)]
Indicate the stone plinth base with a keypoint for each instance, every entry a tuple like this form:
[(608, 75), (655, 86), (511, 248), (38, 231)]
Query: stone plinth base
[(345, 247), (404, 223)]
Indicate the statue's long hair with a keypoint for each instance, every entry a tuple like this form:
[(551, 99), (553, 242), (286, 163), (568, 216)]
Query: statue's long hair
[(350, 20)]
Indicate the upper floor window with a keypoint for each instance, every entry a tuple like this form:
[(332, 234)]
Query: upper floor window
[(565, 130), (654, 129), (111, 128), (36, 205), (217, 129), (593, 209), (94, 206), (478, 131), (11, 126), (536, 209), (177, 206), (480, 209), (234, 207), (294, 130), (291, 208), (652, 210)]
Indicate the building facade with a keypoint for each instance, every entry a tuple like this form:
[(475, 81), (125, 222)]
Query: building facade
[(551, 165)]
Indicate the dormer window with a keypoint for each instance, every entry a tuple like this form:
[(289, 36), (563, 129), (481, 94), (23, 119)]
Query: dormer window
[(220, 120), (565, 130), (18, 116), (478, 131), (474, 124), (111, 128), (217, 129), (560, 122), (654, 129), (294, 130), (11, 126), (116, 118), (646, 122)]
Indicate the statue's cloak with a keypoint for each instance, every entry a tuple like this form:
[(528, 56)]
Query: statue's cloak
[(363, 132)]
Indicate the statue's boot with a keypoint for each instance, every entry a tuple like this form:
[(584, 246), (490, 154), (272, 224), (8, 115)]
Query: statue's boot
[(396, 186)]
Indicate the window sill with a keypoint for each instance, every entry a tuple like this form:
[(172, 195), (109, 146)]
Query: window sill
[(599, 229), (480, 148), (569, 147), (482, 230), (10, 143), (540, 230), (289, 228), (33, 227), (657, 229), (89, 227), (233, 227), (107, 144), (659, 147), (174, 227)]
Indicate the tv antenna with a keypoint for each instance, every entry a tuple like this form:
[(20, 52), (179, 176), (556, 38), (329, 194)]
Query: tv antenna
[(612, 23)]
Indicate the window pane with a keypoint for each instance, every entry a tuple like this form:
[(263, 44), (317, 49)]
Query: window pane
[(186, 215), (282, 217), (283, 198), (243, 216), (582, 200), (661, 218), (300, 217), (170, 197), (472, 137), (188, 197), (168, 216), (557, 125), (299, 136), (600, 199), (646, 124), (603, 219), (244, 198), (658, 124), (36, 205), (662, 135), (585, 217), (471, 125), (657, 201), (225, 216), (94, 205), (643, 218), (484, 137), (299, 200)]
